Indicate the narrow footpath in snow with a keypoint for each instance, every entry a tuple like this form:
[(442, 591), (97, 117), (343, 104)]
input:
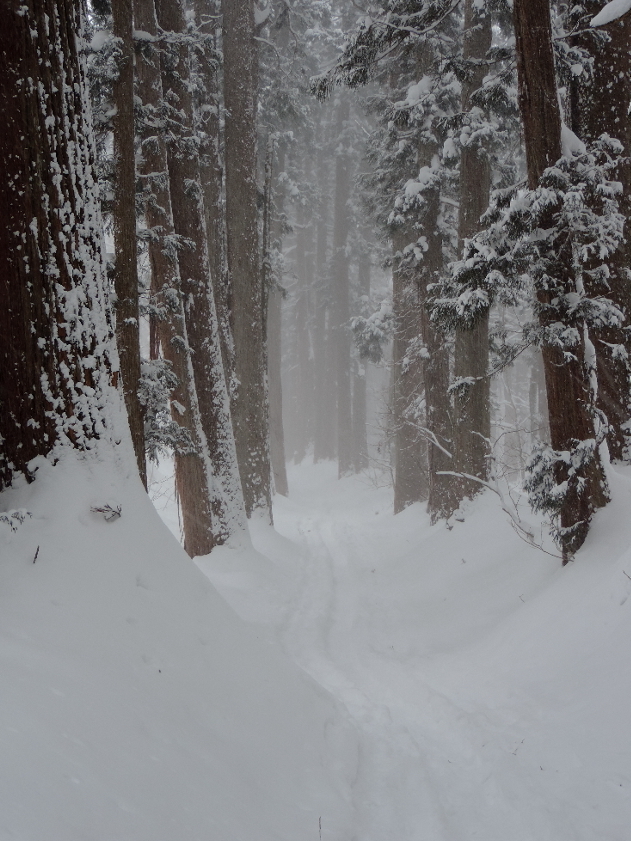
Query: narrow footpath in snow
[(476, 713)]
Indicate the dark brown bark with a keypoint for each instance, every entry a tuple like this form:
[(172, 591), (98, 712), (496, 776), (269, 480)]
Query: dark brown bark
[(250, 412), (193, 474), (567, 384), (124, 215), (200, 313), (472, 415), (599, 105), (55, 338), (341, 300)]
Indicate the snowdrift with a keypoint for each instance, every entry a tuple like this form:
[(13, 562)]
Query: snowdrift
[(135, 704)]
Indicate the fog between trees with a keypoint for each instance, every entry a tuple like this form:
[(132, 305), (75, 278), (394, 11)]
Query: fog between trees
[(392, 235)]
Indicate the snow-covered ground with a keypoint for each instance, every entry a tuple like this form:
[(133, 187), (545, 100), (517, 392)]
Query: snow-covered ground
[(372, 678)]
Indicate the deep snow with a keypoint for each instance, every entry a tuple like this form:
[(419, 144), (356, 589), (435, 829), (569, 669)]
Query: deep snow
[(387, 680)]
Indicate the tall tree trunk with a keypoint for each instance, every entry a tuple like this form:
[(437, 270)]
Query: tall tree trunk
[(208, 114), (472, 414), (200, 313), (600, 105), (411, 482), (273, 246), (193, 469), (324, 372), (567, 379), (342, 296), (126, 267), (250, 412), (56, 341), (360, 437)]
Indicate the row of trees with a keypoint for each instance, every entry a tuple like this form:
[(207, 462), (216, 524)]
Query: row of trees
[(252, 203)]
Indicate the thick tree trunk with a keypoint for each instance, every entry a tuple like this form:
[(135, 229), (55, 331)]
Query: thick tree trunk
[(342, 297), (193, 470), (200, 314), (472, 415), (250, 410), (56, 341), (600, 105), (124, 213), (567, 383)]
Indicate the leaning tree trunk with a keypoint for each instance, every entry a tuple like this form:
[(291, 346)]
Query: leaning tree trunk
[(472, 414), (200, 313), (250, 412), (567, 376), (56, 341), (341, 299), (599, 105), (193, 468)]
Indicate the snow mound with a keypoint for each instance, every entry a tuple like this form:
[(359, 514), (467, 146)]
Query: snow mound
[(136, 705)]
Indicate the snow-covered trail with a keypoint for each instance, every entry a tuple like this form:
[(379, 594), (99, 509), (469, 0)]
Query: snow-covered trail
[(461, 657)]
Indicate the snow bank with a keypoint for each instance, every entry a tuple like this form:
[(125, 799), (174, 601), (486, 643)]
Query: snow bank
[(136, 706)]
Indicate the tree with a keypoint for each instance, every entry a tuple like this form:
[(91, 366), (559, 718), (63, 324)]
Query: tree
[(247, 306), (56, 343), (124, 213), (196, 287)]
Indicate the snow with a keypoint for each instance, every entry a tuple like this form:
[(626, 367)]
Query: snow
[(391, 680), (612, 11)]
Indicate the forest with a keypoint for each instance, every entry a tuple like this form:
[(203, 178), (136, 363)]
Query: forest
[(332, 297)]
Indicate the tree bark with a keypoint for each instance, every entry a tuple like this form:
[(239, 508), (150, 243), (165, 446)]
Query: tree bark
[(56, 340), (599, 105), (124, 214), (200, 314), (472, 415), (567, 384), (341, 318), (193, 469), (250, 408), (360, 436)]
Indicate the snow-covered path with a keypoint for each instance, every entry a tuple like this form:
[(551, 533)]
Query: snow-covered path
[(475, 716)]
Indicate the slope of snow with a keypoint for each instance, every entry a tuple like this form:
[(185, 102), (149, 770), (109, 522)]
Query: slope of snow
[(612, 11), (135, 705), (490, 686)]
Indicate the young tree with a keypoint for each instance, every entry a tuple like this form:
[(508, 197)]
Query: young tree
[(56, 344)]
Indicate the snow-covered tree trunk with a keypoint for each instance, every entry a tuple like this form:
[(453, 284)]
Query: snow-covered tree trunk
[(193, 469), (199, 306), (472, 416), (250, 410), (568, 386), (360, 436), (56, 344), (600, 102), (124, 215)]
